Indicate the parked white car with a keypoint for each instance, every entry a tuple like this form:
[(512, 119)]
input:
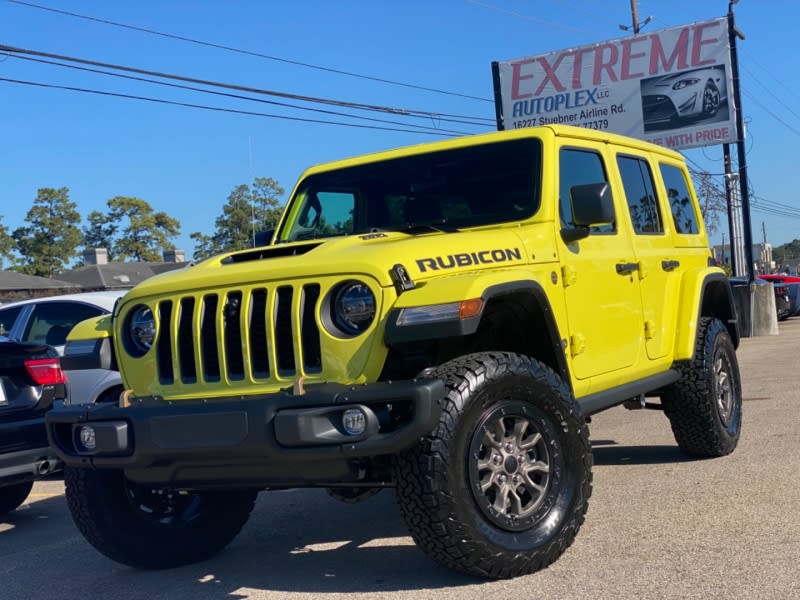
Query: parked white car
[(49, 320)]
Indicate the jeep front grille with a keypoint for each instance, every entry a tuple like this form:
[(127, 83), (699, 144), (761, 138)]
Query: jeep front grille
[(258, 334)]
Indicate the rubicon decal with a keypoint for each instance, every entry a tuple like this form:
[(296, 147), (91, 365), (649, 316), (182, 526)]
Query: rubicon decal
[(466, 259)]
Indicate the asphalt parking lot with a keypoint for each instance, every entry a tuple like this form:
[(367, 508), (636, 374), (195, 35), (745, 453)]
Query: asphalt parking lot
[(658, 526)]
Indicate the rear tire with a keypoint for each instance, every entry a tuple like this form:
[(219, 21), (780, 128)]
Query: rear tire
[(501, 486), (705, 406), (12, 496), (153, 528)]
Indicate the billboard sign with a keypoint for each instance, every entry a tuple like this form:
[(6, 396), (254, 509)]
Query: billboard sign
[(672, 87)]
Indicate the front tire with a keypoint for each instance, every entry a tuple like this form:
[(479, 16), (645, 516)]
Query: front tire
[(501, 486), (705, 406), (153, 528), (12, 496), (711, 99)]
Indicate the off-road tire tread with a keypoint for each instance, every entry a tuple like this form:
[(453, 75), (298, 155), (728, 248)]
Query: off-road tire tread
[(688, 403), (422, 475), (104, 517)]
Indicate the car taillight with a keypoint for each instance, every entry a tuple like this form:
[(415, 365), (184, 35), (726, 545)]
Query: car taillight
[(45, 371)]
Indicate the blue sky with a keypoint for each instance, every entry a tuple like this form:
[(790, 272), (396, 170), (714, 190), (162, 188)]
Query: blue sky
[(186, 161)]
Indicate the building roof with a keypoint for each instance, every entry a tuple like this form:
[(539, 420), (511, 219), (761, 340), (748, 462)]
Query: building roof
[(115, 275), (13, 281)]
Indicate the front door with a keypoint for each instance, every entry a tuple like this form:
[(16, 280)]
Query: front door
[(600, 275)]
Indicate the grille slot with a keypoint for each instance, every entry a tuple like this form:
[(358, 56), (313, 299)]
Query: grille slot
[(284, 346), (208, 338), (164, 343), (186, 342), (312, 353), (232, 321), (259, 359)]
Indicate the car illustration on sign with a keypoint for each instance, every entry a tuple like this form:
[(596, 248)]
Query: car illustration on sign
[(671, 100)]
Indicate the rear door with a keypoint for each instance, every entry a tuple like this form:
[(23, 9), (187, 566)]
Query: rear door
[(659, 265)]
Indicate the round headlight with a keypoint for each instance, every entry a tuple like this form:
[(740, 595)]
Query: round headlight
[(353, 307), (142, 329)]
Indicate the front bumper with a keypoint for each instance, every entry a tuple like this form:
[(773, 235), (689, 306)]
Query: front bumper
[(272, 440)]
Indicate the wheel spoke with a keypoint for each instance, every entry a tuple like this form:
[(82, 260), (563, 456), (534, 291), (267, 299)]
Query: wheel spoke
[(520, 427), (531, 484), (516, 503), (501, 500), (532, 441), (537, 466), (494, 439)]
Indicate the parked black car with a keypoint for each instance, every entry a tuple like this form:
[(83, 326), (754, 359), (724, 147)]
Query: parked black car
[(30, 380)]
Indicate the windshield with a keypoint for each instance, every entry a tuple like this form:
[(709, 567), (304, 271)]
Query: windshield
[(446, 190)]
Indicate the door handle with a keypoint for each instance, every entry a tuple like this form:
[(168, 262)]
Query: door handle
[(627, 268), (670, 265)]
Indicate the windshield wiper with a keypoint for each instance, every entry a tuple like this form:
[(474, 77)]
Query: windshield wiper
[(440, 226)]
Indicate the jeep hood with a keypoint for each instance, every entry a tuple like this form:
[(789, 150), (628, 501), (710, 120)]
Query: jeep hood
[(370, 255)]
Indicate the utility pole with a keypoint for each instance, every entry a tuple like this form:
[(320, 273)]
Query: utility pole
[(635, 25), (733, 33), (733, 215), (635, 16)]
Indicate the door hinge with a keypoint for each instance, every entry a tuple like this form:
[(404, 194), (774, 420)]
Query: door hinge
[(649, 329), (569, 275), (577, 344)]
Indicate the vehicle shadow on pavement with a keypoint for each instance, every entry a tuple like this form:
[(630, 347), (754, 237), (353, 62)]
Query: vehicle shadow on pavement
[(297, 541), (607, 453), (304, 541)]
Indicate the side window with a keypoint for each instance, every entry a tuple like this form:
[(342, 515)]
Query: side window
[(7, 318), (579, 167), (680, 201), (52, 321), (637, 181)]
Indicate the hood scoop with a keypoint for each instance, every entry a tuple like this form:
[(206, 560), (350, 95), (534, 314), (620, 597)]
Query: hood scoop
[(269, 252)]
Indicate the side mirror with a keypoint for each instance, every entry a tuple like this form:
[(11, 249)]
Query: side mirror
[(263, 238), (591, 205)]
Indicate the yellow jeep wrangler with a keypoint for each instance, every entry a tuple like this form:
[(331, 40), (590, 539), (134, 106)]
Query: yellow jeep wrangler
[(441, 319)]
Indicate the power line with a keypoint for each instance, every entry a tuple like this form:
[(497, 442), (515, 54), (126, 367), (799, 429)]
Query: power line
[(772, 114), (231, 86), (781, 102), (759, 204), (241, 97), (779, 82), (246, 52), (221, 109)]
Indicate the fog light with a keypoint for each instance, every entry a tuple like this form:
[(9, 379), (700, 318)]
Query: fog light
[(354, 421), (87, 437)]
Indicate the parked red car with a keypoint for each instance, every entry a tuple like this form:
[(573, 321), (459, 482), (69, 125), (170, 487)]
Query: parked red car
[(787, 294)]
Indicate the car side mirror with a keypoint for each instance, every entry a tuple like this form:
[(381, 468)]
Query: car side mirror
[(592, 205), (263, 238)]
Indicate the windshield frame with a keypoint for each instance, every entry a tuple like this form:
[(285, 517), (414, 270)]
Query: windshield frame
[(445, 190)]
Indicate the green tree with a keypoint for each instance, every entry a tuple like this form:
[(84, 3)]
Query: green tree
[(52, 236), (100, 232), (143, 233), (248, 210), (713, 203), (786, 252), (204, 245), (6, 244)]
